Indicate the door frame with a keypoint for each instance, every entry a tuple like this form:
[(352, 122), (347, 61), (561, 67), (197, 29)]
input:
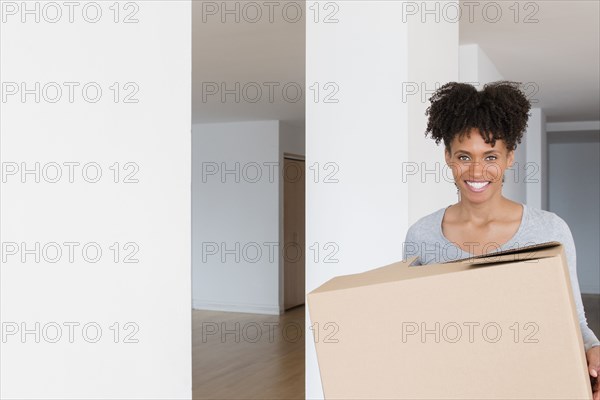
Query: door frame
[(282, 157)]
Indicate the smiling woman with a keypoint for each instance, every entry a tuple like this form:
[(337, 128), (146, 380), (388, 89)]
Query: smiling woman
[(480, 130)]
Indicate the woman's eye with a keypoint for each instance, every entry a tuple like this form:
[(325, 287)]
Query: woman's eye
[(462, 158)]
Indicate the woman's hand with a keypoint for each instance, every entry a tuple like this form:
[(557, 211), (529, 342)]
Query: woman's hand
[(593, 360)]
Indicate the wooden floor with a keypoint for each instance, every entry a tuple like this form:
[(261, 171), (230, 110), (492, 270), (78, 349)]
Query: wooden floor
[(241, 362), (262, 367)]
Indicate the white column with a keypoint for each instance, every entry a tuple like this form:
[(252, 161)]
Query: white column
[(97, 276), (535, 173)]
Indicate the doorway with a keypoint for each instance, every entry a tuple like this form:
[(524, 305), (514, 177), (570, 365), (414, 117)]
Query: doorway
[(293, 231)]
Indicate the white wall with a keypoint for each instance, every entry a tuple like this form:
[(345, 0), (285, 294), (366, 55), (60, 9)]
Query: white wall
[(574, 194), (369, 135), (112, 324), (246, 212), (475, 66)]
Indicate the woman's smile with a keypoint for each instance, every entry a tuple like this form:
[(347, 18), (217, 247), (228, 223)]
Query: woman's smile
[(477, 186)]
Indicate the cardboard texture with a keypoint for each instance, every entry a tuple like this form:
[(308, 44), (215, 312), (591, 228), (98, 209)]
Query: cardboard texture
[(500, 326)]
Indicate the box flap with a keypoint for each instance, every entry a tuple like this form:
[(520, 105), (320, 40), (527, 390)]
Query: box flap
[(531, 252), (401, 270)]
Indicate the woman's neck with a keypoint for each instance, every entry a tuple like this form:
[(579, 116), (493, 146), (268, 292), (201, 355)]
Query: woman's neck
[(483, 213)]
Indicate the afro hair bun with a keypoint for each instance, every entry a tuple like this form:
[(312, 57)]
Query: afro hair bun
[(500, 112)]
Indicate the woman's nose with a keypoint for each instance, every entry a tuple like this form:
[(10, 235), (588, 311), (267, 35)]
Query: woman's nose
[(477, 171)]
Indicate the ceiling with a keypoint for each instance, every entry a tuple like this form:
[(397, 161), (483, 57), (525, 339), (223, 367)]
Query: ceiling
[(253, 54), (559, 55)]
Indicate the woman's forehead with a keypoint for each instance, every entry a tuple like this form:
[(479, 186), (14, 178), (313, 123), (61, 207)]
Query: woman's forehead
[(474, 138)]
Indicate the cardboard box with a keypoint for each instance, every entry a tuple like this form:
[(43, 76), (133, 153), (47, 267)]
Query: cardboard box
[(500, 326)]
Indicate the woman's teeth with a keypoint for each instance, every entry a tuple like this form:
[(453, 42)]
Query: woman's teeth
[(477, 186)]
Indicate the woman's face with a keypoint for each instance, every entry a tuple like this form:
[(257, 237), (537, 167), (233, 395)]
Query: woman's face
[(478, 167)]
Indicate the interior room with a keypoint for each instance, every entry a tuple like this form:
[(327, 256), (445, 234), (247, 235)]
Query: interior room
[(248, 200)]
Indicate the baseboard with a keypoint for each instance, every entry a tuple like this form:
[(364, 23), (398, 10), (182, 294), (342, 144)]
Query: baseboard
[(236, 307), (588, 291)]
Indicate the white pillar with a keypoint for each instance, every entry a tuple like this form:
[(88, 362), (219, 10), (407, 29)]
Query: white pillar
[(106, 123), (535, 173)]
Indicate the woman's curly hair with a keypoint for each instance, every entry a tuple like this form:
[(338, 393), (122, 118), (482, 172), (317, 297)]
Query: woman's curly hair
[(499, 111)]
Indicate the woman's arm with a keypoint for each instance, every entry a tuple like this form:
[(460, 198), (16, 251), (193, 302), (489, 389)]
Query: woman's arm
[(410, 247), (565, 236)]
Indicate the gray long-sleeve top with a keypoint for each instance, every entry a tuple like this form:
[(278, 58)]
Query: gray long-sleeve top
[(426, 240)]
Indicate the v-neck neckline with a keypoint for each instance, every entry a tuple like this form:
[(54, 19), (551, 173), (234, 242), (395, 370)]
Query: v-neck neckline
[(500, 248)]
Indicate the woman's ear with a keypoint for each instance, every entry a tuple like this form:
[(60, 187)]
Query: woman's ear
[(510, 158), (447, 156)]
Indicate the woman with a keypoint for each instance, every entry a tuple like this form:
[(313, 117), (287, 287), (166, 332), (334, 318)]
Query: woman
[(480, 130)]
